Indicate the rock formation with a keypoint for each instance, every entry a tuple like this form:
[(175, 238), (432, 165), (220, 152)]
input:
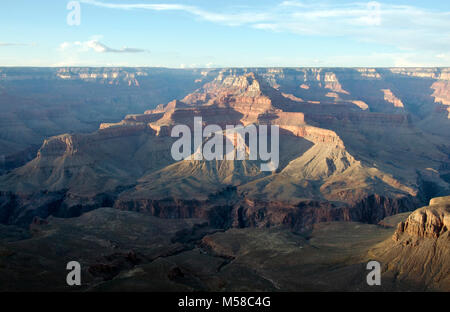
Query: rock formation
[(358, 147), (325, 159), (419, 251)]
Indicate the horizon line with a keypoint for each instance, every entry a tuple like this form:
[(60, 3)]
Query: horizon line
[(220, 67)]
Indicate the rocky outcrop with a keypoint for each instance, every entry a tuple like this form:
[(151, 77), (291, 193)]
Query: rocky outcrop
[(429, 222), (59, 145), (391, 98), (441, 92), (418, 253), (314, 134)]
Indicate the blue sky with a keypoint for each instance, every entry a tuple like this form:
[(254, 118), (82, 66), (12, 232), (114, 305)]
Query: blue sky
[(226, 33)]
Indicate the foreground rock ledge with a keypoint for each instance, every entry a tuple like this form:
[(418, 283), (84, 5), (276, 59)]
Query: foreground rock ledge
[(419, 251)]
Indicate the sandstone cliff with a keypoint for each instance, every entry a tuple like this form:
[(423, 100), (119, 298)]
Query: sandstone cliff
[(419, 251)]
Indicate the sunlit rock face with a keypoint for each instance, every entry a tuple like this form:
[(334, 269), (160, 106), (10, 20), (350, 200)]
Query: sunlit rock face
[(428, 222), (419, 251)]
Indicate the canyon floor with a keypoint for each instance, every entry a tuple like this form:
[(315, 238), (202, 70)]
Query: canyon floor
[(129, 251)]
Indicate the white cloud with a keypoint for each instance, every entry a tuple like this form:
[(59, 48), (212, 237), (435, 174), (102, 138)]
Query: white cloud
[(294, 4), (96, 46), (400, 26), (195, 65)]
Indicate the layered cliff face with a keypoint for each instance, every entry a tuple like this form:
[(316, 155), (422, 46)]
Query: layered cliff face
[(430, 222), (37, 103), (41, 102), (355, 145), (367, 160), (242, 93), (419, 251)]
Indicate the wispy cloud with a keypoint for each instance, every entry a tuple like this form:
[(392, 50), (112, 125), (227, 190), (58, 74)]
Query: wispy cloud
[(232, 18), (15, 44), (96, 46), (401, 26)]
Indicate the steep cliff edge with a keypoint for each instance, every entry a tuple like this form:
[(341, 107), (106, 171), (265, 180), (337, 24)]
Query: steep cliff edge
[(419, 251)]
